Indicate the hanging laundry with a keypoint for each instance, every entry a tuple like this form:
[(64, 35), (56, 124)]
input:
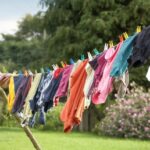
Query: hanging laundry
[(21, 94), (105, 85), (120, 64), (17, 81), (88, 83), (63, 86), (75, 66), (141, 48), (52, 88), (121, 85), (34, 86), (33, 103), (74, 107), (11, 96), (98, 64)]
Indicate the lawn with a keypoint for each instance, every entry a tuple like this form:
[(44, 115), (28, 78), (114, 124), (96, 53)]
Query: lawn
[(15, 139)]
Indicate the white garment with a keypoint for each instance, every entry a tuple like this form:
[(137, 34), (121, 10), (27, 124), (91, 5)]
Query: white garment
[(88, 82), (148, 74)]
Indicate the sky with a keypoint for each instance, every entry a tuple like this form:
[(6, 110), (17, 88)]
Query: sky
[(11, 11)]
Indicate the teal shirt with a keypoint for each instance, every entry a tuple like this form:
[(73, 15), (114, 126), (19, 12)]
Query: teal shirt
[(120, 64)]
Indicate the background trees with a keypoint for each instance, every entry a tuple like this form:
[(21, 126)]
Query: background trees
[(69, 28)]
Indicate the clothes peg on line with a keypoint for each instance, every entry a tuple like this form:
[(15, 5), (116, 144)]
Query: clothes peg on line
[(138, 29), (111, 44), (82, 57), (121, 38), (96, 51), (71, 61), (125, 34)]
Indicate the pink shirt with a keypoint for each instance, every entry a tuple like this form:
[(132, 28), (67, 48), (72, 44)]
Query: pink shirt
[(63, 86), (106, 83)]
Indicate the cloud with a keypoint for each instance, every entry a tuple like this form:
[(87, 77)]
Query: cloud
[(8, 26)]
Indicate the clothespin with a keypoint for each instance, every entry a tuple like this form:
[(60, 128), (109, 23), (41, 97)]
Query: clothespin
[(47, 70), (20, 72), (125, 34), (42, 70), (26, 73), (121, 38), (96, 51), (63, 64), (89, 56), (35, 71), (71, 61), (14, 73), (30, 72), (138, 29), (57, 66), (105, 47), (111, 44), (82, 57)]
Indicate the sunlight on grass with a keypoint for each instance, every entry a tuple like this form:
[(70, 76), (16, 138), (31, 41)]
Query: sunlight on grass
[(15, 139)]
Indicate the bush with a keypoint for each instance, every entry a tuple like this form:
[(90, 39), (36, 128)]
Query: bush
[(52, 119), (128, 117)]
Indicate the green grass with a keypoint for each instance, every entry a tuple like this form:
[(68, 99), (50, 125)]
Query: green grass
[(15, 139)]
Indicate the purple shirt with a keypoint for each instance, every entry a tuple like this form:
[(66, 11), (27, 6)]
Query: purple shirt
[(99, 63)]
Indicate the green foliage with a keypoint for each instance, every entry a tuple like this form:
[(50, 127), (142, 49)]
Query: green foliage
[(128, 117), (52, 120)]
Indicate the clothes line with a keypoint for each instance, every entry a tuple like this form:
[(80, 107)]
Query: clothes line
[(84, 82)]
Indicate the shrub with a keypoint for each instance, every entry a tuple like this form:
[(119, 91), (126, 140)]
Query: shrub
[(128, 117)]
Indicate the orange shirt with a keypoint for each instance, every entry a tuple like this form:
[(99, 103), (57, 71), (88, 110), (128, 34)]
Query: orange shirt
[(74, 107)]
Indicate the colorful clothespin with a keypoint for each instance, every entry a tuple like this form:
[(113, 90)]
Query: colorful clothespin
[(42, 70), (82, 57), (71, 61), (63, 64), (125, 34), (47, 70), (138, 29), (111, 44), (105, 47), (121, 38), (96, 51)]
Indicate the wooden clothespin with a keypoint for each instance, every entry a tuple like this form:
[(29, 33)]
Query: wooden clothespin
[(121, 38), (25, 73), (138, 29), (125, 34), (111, 44)]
